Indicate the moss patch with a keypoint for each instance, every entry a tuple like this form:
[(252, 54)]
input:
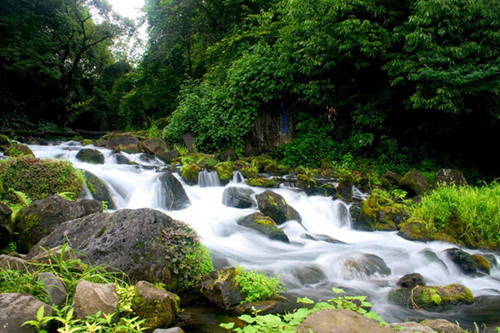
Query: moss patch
[(225, 171), (482, 263), (261, 182), (190, 173)]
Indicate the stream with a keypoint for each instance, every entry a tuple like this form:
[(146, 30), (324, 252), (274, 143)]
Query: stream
[(362, 263)]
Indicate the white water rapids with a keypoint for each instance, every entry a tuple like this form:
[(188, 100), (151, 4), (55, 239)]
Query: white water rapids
[(307, 267)]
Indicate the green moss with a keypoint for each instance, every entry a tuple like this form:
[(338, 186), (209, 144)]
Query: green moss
[(440, 298), (86, 142), (261, 182), (414, 229), (4, 141), (249, 171), (18, 150), (139, 245), (482, 263), (225, 171), (156, 312), (261, 162), (190, 173), (265, 220)]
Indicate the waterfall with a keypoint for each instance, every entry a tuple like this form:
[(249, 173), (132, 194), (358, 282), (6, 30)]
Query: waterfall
[(208, 178)]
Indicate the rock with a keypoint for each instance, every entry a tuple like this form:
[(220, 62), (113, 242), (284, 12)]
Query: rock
[(364, 264), (56, 290), (491, 258), (168, 156), (379, 212), (16, 309), (4, 142), (414, 230), (238, 197), (172, 195), (262, 307), (169, 330), (11, 262), (93, 297), (17, 150), (6, 225), (221, 288), (129, 240), (442, 326), (190, 174), (344, 190), (414, 182), (273, 205), (462, 259), (190, 141), (309, 274), (410, 327), (322, 238), (128, 144), (228, 154), (265, 225), (43, 216), (121, 159), (411, 280), (261, 182), (225, 172), (47, 255), (99, 189), (339, 321), (355, 211), (90, 156), (482, 264), (392, 177), (154, 145), (158, 307), (449, 177)]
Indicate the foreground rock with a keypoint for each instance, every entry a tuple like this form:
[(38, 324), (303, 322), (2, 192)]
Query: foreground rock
[(17, 150), (339, 321), (410, 327), (93, 297), (44, 216), (128, 240), (238, 197), (274, 205), (99, 189), (264, 225), (15, 309), (158, 307), (442, 326), (221, 288), (56, 290), (173, 196), (364, 264)]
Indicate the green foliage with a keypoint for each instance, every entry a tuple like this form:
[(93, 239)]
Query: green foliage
[(257, 286), (15, 281), (470, 214), (288, 322), (39, 178), (188, 258)]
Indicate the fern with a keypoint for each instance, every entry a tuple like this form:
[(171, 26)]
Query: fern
[(22, 197)]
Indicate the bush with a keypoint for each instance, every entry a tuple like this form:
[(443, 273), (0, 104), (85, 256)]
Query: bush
[(39, 178), (469, 214), (257, 286)]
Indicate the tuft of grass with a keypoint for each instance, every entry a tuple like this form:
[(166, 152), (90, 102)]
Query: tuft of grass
[(257, 286), (470, 214)]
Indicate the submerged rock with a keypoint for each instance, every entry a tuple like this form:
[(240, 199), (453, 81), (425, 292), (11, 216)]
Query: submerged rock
[(264, 225), (238, 197), (99, 189), (274, 205), (172, 195), (411, 280), (89, 155), (463, 260), (364, 264)]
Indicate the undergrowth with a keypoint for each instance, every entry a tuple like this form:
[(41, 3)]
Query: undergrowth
[(257, 286)]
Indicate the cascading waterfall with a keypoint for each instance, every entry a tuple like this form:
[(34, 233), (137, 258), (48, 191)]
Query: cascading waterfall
[(323, 251)]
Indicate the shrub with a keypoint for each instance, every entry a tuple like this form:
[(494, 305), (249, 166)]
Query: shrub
[(14, 281), (257, 286), (39, 178), (469, 214)]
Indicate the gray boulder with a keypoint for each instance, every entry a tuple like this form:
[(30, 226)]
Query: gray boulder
[(93, 297), (128, 144), (274, 205), (411, 280), (121, 159), (56, 290), (414, 182), (168, 156), (448, 177), (264, 225), (365, 264), (44, 216), (11, 262), (154, 145), (172, 194), (463, 260), (15, 309), (99, 189), (90, 156), (238, 197)]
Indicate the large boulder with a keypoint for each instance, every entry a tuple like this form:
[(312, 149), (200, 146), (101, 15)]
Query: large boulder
[(158, 307), (364, 264), (44, 216), (379, 212), (414, 229), (238, 197), (221, 288), (274, 205), (99, 189), (154, 145), (172, 194), (339, 321), (93, 297), (5, 224), (463, 260), (130, 240), (128, 144), (448, 177), (18, 150), (264, 225), (16, 309), (414, 182), (89, 155), (168, 156)]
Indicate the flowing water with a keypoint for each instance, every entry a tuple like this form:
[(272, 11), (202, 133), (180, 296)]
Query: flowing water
[(307, 267)]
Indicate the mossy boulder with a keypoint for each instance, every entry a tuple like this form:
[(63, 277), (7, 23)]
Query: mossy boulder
[(248, 170), (414, 229), (128, 144), (392, 178), (414, 183), (168, 156), (159, 308), (264, 225), (274, 205), (449, 177), (463, 260), (6, 225), (411, 280), (99, 189), (39, 179), (190, 174), (224, 171), (344, 190), (220, 287), (261, 162), (482, 264), (261, 182), (154, 145), (18, 150), (379, 212), (89, 155), (238, 197), (4, 142)]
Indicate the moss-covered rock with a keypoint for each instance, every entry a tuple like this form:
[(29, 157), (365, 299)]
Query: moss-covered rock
[(415, 230), (274, 205), (380, 212), (414, 182), (482, 264), (238, 197), (99, 189), (261, 162), (224, 171), (449, 177), (264, 225), (190, 174), (6, 226), (261, 182), (18, 150), (4, 142), (39, 179), (90, 156), (344, 190), (128, 144), (159, 308), (154, 145), (464, 261), (249, 171), (221, 288)]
